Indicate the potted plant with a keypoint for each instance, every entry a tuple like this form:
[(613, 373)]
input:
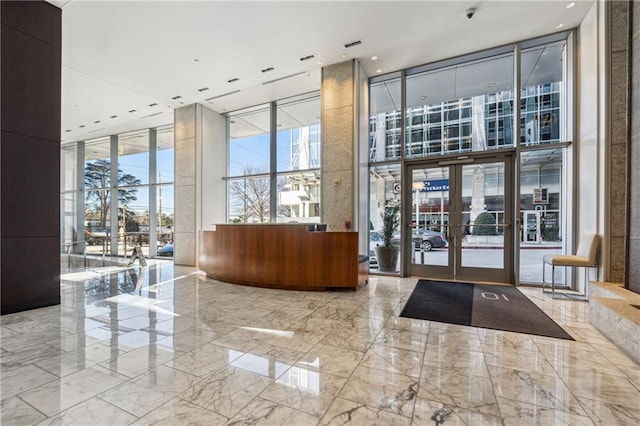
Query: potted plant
[(387, 254)]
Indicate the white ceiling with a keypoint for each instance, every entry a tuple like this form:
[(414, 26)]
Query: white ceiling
[(120, 56)]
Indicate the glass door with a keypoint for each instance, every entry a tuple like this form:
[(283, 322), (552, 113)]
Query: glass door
[(461, 220)]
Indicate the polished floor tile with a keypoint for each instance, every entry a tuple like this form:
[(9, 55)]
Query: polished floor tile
[(165, 345)]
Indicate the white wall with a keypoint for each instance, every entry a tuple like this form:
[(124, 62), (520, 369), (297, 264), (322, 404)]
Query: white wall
[(589, 141)]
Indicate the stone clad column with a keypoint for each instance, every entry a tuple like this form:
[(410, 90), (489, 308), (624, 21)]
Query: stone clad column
[(184, 233), (199, 189), (340, 105)]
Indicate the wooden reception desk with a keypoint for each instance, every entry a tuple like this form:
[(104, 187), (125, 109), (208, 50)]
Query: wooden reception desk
[(282, 256)]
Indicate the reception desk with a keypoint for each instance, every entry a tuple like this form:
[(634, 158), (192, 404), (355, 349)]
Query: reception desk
[(282, 256)]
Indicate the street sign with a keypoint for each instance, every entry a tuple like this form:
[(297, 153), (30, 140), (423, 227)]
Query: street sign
[(436, 185)]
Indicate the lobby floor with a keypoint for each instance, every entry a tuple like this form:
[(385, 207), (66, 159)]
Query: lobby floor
[(166, 345)]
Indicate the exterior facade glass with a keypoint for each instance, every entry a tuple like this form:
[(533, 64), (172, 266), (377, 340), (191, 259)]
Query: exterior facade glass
[(274, 176), (136, 167), (465, 106)]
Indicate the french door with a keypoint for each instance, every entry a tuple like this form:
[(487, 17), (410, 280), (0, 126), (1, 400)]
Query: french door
[(460, 220)]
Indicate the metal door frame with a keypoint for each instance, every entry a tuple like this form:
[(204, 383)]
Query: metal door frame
[(454, 271)]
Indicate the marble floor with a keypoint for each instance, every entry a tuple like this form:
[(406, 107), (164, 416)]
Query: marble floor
[(166, 345)]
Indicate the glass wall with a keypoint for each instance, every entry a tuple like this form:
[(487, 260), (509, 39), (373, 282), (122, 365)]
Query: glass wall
[(298, 160), (141, 159), (384, 196), (275, 177), (460, 108), (465, 106)]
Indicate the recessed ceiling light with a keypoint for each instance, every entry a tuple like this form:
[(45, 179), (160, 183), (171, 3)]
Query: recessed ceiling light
[(378, 71), (114, 116), (571, 4), (320, 62), (422, 98), (96, 122), (203, 89), (176, 97), (491, 84), (374, 58), (196, 60), (267, 69), (306, 58), (233, 80), (82, 126), (68, 130), (344, 55), (132, 110), (559, 26)]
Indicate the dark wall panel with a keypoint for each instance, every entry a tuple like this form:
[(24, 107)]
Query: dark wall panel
[(30, 155), (30, 187)]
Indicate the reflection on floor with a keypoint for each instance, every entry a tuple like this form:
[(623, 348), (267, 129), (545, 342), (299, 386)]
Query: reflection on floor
[(166, 345)]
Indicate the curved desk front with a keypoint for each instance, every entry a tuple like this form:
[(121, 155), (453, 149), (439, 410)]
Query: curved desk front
[(282, 256)]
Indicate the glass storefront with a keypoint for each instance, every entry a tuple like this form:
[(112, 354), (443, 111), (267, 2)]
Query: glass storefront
[(459, 111)]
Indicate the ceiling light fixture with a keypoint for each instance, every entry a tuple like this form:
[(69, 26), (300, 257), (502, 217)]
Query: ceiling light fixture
[(344, 55), (559, 26), (374, 58), (306, 58), (352, 44), (571, 4), (203, 89), (267, 69), (233, 80), (320, 62), (284, 78), (422, 98), (378, 71), (96, 122), (491, 84), (132, 110), (196, 60), (222, 95), (68, 130), (176, 97), (114, 116), (82, 126)]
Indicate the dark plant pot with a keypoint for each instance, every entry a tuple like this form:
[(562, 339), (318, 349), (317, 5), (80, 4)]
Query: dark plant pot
[(387, 258)]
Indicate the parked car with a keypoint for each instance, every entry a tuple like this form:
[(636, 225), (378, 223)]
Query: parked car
[(166, 250), (426, 240)]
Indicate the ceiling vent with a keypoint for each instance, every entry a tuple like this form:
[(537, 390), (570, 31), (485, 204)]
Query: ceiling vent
[(268, 69), (284, 78), (132, 110), (222, 95), (233, 80), (176, 97), (114, 116), (352, 44), (153, 104), (203, 89), (306, 58)]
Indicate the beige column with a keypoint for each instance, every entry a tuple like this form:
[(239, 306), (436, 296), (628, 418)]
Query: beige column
[(343, 96), (619, 27), (200, 192), (184, 233)]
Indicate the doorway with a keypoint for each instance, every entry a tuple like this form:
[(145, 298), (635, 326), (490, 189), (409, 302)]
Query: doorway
[(460, 219)]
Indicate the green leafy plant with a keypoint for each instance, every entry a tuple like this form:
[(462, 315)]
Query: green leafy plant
[(484, 219), (390, 222)]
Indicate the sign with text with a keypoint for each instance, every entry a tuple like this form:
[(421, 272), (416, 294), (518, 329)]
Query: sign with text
[(540, 196), (436, 185)]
